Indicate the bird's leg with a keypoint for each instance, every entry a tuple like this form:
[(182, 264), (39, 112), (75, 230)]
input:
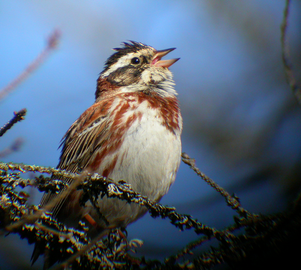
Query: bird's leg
[(91, 221), (122, 233)]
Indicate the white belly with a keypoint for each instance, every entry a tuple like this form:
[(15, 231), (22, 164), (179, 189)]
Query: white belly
[(148, 159), (151, 157)]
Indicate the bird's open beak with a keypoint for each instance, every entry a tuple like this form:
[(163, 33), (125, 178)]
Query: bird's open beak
[(157, 62)]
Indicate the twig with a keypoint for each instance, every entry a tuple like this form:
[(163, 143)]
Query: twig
[(231, 200), (34, 217), (52, 231), (19, 116), (14, 147), (240, 223), (80, 252), (285, 54), (51, 45), (33, 168)]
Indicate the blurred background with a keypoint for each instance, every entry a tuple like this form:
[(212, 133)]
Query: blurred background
[(242, 124)]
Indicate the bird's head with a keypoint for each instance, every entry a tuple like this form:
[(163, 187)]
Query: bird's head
[(137, 67)]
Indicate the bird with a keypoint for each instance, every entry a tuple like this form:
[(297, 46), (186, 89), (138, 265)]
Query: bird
[(132, 132)]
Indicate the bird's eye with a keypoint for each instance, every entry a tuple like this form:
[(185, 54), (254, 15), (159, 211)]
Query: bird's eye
[(135, 61)]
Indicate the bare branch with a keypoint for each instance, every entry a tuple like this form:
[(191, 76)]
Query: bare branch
[(14, 147), (19, 116), (285, 54), (233, 201), (52, 43)]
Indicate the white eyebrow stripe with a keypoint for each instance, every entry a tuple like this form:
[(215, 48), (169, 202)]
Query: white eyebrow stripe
[(125, 60), (122, 61)]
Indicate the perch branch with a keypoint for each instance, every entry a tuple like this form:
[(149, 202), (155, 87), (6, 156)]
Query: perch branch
[(119, 190)]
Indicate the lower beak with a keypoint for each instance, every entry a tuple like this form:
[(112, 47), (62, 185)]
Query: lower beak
[(157, 62)]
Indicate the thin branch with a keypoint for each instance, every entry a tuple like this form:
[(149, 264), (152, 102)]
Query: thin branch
[(19, 116), (52, 231), (28, 219), (33, 168), (14, 147), (231, 200), (83, 250), (52, 43), (285, 54)]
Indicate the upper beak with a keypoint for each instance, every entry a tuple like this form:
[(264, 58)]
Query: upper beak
[(157, 62)]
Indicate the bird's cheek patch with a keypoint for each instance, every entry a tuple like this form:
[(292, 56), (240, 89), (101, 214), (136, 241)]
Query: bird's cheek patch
[(146, 76), (151, 76)]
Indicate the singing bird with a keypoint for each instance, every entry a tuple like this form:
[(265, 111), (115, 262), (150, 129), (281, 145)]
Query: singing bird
[(132, 132)]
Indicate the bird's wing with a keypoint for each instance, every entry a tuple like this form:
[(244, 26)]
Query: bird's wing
[(83, 138)]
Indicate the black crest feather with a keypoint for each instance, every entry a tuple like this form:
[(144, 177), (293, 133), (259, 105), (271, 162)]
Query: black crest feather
[(131, 46)]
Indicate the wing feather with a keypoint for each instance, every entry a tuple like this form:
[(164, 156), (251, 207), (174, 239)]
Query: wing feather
[(83, 138)]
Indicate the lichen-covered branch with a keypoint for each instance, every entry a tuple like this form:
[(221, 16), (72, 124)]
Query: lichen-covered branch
[(61, 243), (96, 185)]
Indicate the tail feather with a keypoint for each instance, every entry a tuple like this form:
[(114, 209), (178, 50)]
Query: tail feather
[(37, 252), (48, 260)]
